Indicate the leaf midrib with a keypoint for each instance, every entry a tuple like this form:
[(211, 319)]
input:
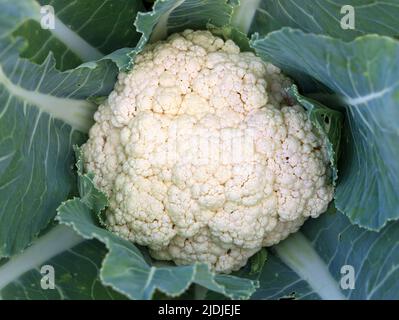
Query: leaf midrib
[(73, 41), (299, 255), (77, 113), (58, 240)]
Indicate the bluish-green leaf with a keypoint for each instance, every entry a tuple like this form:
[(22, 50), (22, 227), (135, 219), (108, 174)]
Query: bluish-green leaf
[(324, 17), (42, 112), (310, 265), (365, 73), (93, 198), (83, 30), (75, 269), (125, 269), (326, 120), (169, 16), (257, 261)]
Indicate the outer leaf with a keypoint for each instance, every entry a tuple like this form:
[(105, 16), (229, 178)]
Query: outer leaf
[(258, 261), (41, 110), (169, 16), (229, 32), (76, 266), (83, 30), (90, 196), (308, 265), (125, 269), (14, 12), (326, 120), (365, 73), (278, 281), (323, 17)]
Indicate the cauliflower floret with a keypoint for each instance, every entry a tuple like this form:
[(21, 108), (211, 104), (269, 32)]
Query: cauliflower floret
[(203, 156)]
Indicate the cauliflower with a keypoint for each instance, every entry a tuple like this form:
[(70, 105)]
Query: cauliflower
[(203, 156)]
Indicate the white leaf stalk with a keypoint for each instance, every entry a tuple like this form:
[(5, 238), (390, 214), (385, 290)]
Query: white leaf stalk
[(244, 14), (298, 254), (58, 240)]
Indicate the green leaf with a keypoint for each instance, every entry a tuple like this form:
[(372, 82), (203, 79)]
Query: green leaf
[(42, 111), (278, 281), (327, 121), (170, 16), (228, 32), (308, 264), (75, 262), (90, 196), (324, 17), (365, 74), (83, 31), (126, 271), (258, 261), (13, 13)]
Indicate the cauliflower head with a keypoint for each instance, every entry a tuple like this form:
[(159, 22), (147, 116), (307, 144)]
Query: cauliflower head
[(203, 156)]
